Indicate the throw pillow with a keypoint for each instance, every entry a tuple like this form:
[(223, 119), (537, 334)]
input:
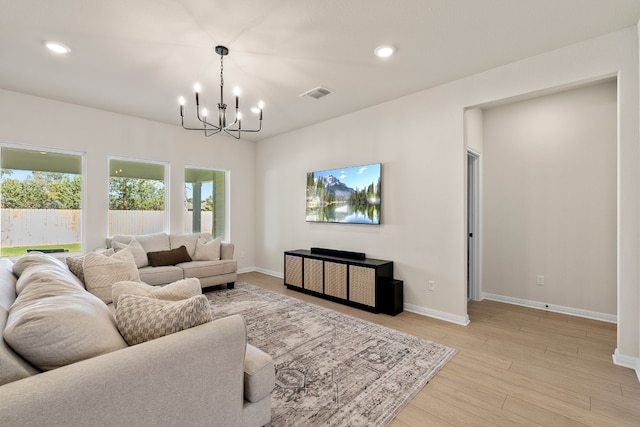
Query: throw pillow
[(170, 257), (101, 272), (176, 291), (141, 319), (138, 252), (76, 263), (54, 321), (207, 251)]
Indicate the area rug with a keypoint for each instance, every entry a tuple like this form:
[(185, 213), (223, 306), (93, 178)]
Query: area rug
[(331, 369)]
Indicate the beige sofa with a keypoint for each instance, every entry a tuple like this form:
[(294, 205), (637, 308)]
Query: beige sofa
[(210, 273), (204, 375)]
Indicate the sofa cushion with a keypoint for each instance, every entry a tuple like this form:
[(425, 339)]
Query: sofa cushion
[(186, 240), (175, 291), (154, 242), (12, 366), (138, 252), (170, 257), (141, 319), (259, 374), (207, 250), (160, 275), (101, 272), (76, 263), (54, 321), (202, 269)]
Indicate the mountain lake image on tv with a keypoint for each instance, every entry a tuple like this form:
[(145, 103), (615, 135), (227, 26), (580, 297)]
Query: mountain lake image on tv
[(347, 195)]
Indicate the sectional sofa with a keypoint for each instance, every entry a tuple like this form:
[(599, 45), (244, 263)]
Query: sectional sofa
[(64, 362), (210, 268)]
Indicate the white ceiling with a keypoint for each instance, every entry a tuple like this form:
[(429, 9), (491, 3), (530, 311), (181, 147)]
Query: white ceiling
[(137, 57)]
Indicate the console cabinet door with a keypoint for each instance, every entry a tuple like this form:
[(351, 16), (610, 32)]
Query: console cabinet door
[(362, 285), (335, 279), (293, 270), (313, 274)]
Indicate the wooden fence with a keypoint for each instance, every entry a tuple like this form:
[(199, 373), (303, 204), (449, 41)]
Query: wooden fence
[(45, 227)]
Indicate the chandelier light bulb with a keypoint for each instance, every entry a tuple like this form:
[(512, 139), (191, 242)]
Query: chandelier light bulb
[(236, 91), (204, 113), (181, 100), (239, 116), (261, 105), (197, 88)]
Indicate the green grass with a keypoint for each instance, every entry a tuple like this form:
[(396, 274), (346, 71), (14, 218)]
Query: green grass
[(21, 250)]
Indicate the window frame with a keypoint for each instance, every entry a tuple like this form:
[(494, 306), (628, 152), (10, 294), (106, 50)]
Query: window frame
[(226, 237), (83, 186), (167, 184)]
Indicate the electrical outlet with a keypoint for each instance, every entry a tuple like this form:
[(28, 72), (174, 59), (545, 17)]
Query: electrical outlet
[(432, 285), (540, 280)]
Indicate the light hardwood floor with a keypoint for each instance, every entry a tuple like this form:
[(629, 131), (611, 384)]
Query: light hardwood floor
[(515, 366)]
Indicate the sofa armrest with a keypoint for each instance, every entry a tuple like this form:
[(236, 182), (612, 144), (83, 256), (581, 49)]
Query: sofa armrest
[(226, 250), (193, 377)]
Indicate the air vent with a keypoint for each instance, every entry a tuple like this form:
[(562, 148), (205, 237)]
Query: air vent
[(316, 93)]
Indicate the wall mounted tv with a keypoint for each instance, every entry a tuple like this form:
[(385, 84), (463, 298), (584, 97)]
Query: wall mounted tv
[(349, 195)]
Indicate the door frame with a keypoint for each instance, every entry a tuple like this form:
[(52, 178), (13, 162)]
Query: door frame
[(474, 285)]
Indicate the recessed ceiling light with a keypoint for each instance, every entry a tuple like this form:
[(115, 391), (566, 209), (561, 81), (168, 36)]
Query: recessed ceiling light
[(384, 51), (56, 47)]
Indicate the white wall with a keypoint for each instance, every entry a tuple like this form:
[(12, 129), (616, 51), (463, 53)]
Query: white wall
[(33, 121), (420, 141), (549, 199)]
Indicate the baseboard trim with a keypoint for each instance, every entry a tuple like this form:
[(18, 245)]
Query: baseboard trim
[(594, 315), (440, 315), (269, 272), (627, 362)]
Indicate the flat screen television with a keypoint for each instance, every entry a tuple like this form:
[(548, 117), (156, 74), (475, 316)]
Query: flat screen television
[(349, 195)]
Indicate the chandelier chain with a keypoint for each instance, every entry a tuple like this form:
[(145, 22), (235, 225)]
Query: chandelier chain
[(221, 69)]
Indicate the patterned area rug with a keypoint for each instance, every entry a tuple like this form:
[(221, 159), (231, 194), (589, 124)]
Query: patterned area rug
[(331, 369)]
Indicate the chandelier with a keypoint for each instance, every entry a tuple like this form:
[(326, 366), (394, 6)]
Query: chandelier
[(208, 127)]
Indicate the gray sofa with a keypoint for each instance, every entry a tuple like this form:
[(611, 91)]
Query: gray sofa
[(204, 375), (210, 272)]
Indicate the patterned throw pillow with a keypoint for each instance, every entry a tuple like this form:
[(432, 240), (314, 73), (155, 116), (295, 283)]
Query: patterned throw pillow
[(76, 263), (141, 319), (101, 272), (176, 291), (207, 251)]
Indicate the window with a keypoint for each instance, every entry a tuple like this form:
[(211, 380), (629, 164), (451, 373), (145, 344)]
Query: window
[(41, 201), (206, 201), (136, 197)]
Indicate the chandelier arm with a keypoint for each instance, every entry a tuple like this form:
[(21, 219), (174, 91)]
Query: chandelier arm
[(246, 130), (212, 133), (228, 132)]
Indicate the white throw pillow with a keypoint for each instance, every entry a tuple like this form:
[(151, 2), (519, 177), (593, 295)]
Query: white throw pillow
[(141, 319), (101, 272), (176, 291), (207, 251), (138, 252)]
